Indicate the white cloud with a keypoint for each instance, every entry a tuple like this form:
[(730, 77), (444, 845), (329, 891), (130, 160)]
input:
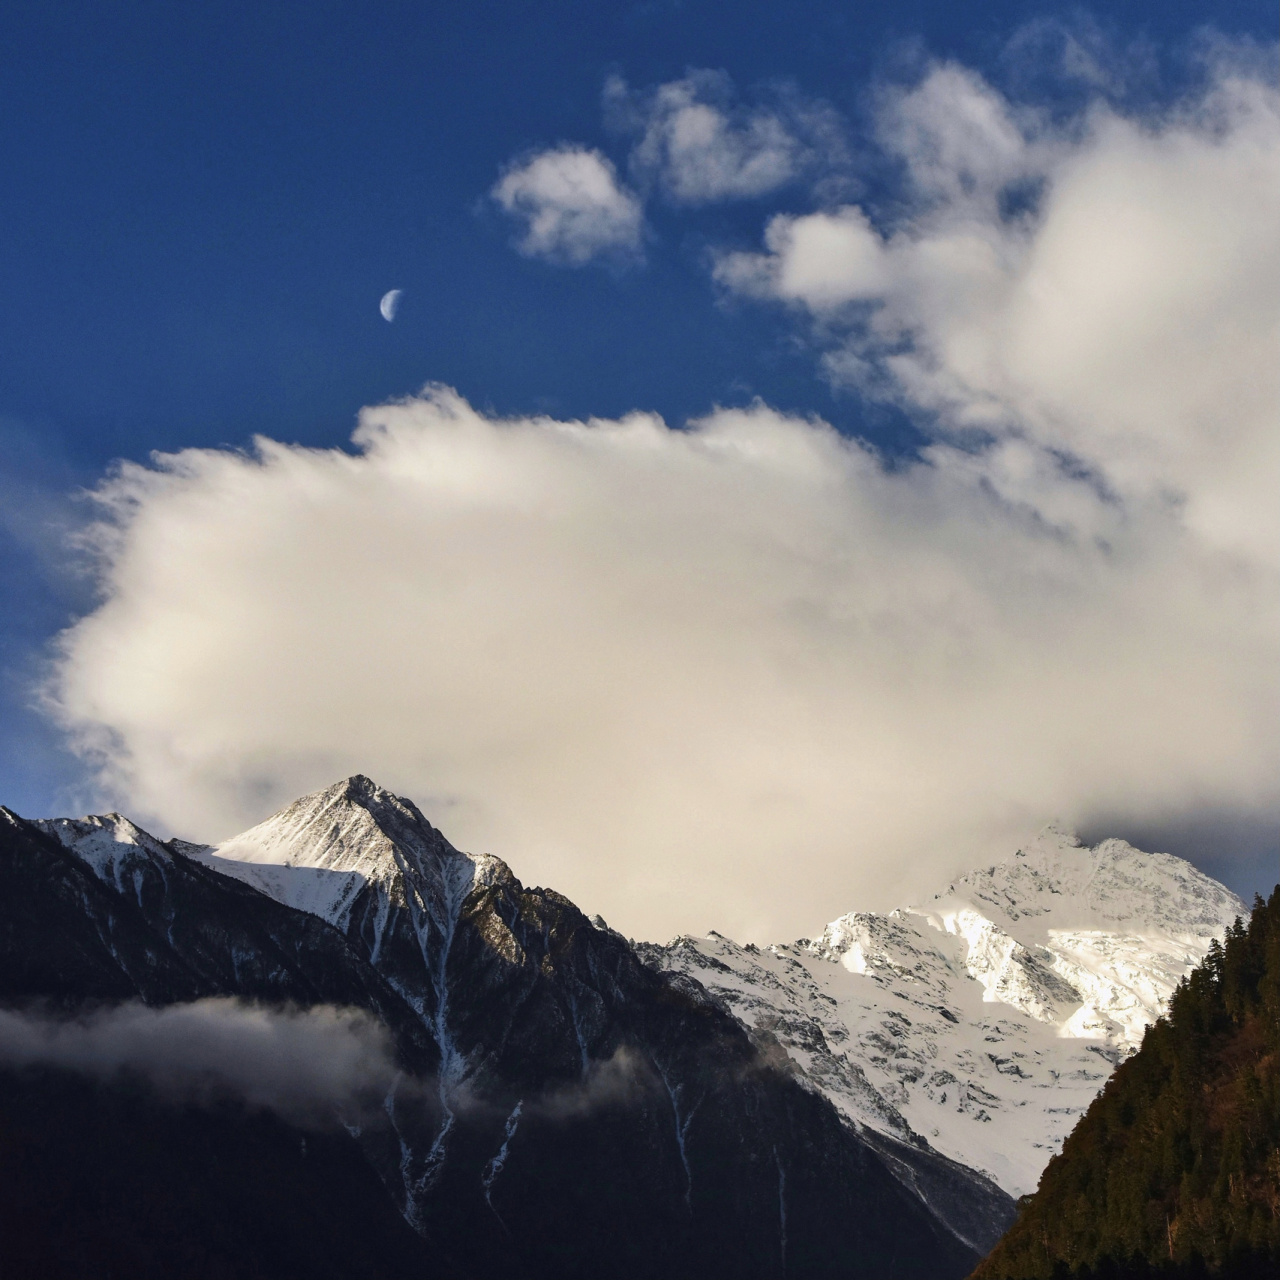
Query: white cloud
[(695, 143), (313, 1066), (959, 139), (738, 675), (572, 207), (700, 146), (741, 675), (1119, 315), (821, 260)]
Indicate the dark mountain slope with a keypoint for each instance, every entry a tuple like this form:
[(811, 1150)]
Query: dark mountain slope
[(572, 1112), (105, 1178), (103, 1181), (612, 1121), (1175, 1168)]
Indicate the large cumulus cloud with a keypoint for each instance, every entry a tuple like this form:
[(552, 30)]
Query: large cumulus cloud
[(743, 673), (739, 675)]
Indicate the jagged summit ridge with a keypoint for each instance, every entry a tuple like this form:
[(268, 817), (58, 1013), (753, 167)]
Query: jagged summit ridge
[(1089, 940), (109, 842)]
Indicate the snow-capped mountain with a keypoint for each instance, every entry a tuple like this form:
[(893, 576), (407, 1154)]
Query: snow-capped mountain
[(368, 863), (986, 1019), (566, 1110)]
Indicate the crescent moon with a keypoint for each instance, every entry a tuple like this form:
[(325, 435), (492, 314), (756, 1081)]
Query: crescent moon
[(390, 301)]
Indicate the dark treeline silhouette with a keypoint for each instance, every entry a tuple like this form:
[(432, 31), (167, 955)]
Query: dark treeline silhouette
[(1174, 1171)]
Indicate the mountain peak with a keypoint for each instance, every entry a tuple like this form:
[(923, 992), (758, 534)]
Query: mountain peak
[(986, 1019), (319, 852), (1110, 884), (362, 790), (350, 825)]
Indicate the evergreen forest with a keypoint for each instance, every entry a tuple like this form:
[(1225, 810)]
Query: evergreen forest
[(1175, 1168)]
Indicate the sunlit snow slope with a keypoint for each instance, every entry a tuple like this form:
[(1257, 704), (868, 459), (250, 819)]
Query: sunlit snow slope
[(986, 1019)]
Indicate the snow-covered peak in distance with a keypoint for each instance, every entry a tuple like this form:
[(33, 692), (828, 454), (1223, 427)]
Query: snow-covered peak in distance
[(1091, 940), (1112, 883), (318, 853), (985, 1020)]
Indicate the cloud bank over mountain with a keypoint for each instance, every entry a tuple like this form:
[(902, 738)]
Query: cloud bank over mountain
[(737, 671), (312, 1066)]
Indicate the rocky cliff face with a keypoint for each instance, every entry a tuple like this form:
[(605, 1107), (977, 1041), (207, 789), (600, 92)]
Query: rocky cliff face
[(564, 1107)]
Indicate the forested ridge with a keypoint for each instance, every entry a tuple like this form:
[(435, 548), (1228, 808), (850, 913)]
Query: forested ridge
[(1175, 1168)]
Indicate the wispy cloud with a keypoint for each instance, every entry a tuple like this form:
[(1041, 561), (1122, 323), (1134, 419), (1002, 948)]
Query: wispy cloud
[(698, 144), (694, 142), (312, 1066), (616, 1081)]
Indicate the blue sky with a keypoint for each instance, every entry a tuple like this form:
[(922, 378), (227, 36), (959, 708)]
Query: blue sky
[(202, 206)]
